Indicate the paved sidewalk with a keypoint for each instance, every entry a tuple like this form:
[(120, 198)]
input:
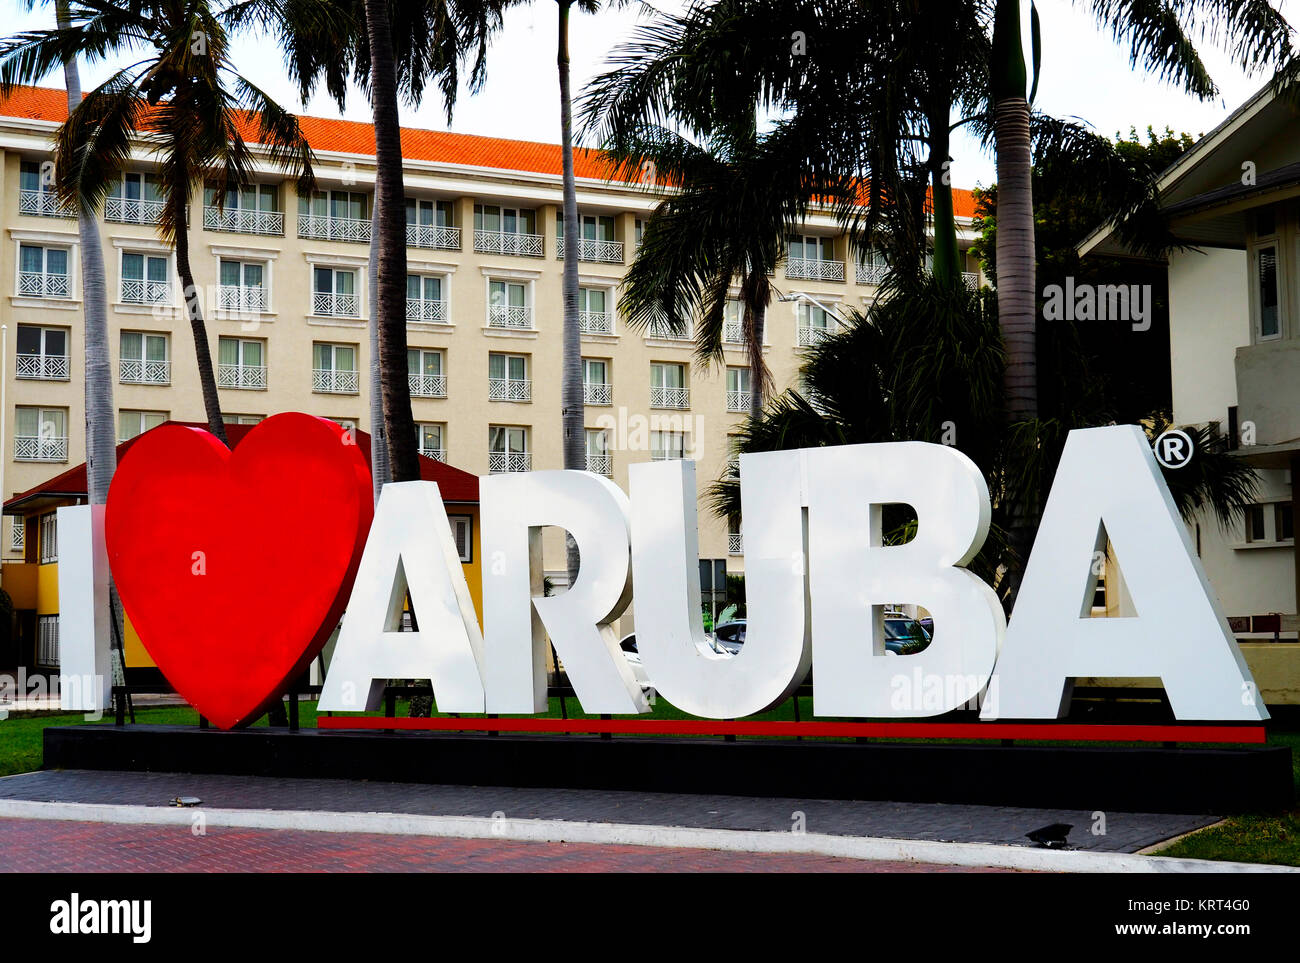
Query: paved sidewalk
[(1124, 832)]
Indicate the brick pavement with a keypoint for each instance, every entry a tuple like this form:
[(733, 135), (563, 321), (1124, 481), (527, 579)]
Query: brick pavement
[(53, 846), (1125, 832)]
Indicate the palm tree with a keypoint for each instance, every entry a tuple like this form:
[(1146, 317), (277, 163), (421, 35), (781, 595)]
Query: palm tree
[(185, 98)]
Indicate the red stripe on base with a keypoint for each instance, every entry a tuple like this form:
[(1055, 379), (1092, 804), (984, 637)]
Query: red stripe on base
[(1070, 732)]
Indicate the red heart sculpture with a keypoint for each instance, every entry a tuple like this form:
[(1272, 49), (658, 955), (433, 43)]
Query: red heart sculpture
[(235, 567)]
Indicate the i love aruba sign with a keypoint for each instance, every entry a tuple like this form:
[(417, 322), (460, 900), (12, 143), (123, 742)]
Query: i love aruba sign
[(236, 567)]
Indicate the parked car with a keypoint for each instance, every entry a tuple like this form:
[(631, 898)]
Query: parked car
[(904, 635), (729, 637), (628, 645)]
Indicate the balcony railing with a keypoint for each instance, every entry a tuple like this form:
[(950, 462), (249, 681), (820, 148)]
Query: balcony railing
[(333, 382), (37, 284), (871, 273), (670, 397), (131, 371), (135, 291), (508, 389), (425, 309), (236, 221), (733, 332), (735, 544), (334, 305), (43, 204), (428, 386), (40, 448), (971, 280), (595, 322), (42, 367), (503, 461), (252, 376), (814, 269), (133, 210), (437, 454), (510, 316), (738, 400), (810, 335), (597, 394), (590, 249), (433, 236), (327, 228), (241, 300), (600, 464), (504, 242)]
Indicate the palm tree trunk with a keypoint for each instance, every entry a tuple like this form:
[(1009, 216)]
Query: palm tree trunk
[(390, 213), (757, 368), (179, 196), (379, 473), (571, 395)]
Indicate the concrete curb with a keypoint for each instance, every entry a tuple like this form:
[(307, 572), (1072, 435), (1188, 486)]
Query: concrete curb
[(620, 834)]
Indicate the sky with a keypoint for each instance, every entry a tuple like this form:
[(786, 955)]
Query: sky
[(1085, 75)]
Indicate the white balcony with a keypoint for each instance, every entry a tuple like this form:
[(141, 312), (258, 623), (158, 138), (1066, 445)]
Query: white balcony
[(326, 228), (42, 367), (37, 284), (670, 397), (334, 305), (332, 382), (249, 376), (500, 462), (508, 389), (40, 448), (437, 454), (600, 464), (504, 242), (597, 394), (426, 309), (234, 221), (518, 317), (428, 386), (738, 400), (814, 269), (433, 237), (132, 371), (735, 544), (871, 273), (810, 335), (241, 300), (971, 280), (133, 210), (733, 332), (43, 204), (135, 291), (595, 322), (589, 249)]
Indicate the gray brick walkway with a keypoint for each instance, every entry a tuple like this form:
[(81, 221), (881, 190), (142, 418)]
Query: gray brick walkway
[(1125, 832)]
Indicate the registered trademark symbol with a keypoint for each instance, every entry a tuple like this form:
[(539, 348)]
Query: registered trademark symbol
[(1174, 448)]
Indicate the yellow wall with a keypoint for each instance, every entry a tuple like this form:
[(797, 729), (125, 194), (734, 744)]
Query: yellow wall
[(19, 580), (474, 567)]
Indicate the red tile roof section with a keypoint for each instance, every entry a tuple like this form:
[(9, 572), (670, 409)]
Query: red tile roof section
[(455, 485), (442, 147)]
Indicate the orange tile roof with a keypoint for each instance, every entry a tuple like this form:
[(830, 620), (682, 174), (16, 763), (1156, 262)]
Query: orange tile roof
[(354, 137)]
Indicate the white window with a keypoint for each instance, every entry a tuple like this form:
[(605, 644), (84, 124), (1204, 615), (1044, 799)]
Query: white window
[(242, 287), (36, 194), (595, 227), (243, 419), (506, 230), (144, 279), (134, 199), (1267, 277), (595, 238), (335, 216), (424, 298), (599, 460), (508, 449), (596, 388), (668, 386), (733, 322), (334, 293), (667, 445), (49, 538), (47, 641), (40, 434), (424, 369), (428, 225), (594, 315), (43, 272), (808, 247), (241, 363), (17, 534), (739, 390), (815, 324), (144, 359), (42, 353), (508, 305), (334, 368), (508, 378), (462, 530), (429, 437), (133, 423)]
